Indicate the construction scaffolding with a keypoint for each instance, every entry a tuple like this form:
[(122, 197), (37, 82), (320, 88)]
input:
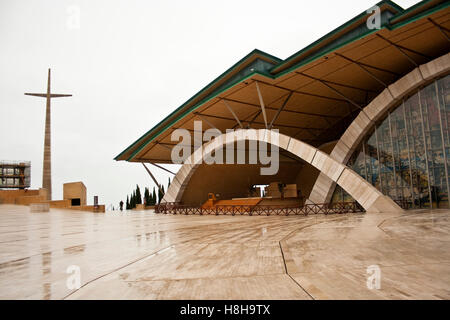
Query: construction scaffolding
[(15, 174)]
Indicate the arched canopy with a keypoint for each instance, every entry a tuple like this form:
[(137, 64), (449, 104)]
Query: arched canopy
[(368, 196)]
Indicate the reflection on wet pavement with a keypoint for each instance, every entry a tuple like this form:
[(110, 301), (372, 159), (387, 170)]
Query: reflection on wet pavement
[(141, 255)]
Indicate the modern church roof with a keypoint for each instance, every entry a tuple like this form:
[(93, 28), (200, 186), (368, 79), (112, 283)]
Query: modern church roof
[(314, 94)]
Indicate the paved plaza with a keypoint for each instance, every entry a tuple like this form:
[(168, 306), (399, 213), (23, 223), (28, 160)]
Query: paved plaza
[(142, 255)]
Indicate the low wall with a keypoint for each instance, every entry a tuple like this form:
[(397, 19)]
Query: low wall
[(27, 200), (27, 197), (22, 197), (59, 204)]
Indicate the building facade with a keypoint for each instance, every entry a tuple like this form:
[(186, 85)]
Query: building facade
[(360, 114)]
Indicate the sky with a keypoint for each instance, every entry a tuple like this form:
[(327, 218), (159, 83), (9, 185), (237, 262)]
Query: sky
[(128, 64)]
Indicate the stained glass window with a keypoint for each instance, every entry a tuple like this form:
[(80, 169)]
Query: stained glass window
[(407, 155)]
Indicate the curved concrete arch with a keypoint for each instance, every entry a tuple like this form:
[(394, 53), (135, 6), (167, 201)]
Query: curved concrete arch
[(367, 196), (324, 186)]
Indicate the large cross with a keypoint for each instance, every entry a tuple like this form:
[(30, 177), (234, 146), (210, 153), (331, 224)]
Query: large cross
[(47, 166)]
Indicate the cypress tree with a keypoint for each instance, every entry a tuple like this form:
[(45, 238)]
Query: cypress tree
[(133, 200), (138, 195), (127, 206), (154, 196), (147, 196)]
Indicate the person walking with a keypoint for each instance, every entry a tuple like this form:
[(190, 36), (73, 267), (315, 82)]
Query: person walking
[(121, 205)]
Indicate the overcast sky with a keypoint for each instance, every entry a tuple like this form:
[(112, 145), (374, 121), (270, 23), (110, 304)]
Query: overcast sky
[(129, 64)]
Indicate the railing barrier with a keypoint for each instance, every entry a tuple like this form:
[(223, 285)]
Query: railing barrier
[(324, 208)]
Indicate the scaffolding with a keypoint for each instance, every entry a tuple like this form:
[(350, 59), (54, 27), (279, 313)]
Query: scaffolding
[(15, 174)]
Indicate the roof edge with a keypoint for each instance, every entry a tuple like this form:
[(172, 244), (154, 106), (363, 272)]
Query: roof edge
[(255, 53), (204, 96)]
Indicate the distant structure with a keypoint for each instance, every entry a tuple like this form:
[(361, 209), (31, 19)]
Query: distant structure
[(47, 166), (74, 197), (75, 192), (15, 174)]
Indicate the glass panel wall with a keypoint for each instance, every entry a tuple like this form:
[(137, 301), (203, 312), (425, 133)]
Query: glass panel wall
[(407, 155)]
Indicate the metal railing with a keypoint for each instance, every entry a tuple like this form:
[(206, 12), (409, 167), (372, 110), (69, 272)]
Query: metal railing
[(267, 210)]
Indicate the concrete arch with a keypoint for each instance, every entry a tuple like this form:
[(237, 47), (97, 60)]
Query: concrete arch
[(324, 186), (367, 196)]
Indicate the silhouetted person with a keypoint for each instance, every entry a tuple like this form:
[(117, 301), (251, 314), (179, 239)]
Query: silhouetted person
[(121, 205)]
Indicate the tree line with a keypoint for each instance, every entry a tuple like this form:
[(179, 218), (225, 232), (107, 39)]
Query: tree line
[(149, 198)]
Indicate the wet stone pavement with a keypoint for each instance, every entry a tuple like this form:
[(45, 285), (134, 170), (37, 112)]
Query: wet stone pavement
[(142, 255)]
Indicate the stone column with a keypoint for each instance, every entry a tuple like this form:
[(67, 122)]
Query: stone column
[(47, 165)]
